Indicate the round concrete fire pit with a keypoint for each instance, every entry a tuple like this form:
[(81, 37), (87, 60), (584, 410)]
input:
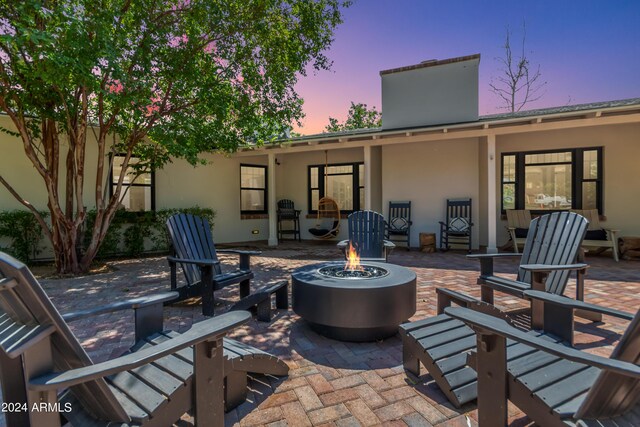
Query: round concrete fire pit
[(365, 305)]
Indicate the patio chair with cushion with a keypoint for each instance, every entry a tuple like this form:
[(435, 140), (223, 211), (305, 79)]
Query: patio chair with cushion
[(399, 222), (456, 228), (598, 237), (443, 343), (163, 376), (518, 221), (553, 384), (196, 253), (367, 235)]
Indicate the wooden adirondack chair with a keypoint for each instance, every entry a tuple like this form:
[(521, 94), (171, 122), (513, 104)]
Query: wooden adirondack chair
[(442, 343), (456, 228), (598, 237), (518, 221), (555, 385), (550, 253), (367, 235), (399, 223), (39, 356), (197, 255)]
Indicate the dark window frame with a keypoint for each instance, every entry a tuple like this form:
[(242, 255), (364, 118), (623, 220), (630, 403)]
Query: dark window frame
[(265, 190), (152, 173), (356, 187), (577, 177)]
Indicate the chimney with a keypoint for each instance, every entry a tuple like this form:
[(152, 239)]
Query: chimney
[(431, 93)]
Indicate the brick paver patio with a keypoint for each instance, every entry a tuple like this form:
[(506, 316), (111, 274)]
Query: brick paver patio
[(332, 383)]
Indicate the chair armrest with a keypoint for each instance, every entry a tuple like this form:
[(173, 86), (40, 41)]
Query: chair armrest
[(563, 301), (545, 267), (342, 245), (500, 255), (486, 261), (202, 331), (198, 262), (133, 304), (389, 245), (238, 252), (486, 323)]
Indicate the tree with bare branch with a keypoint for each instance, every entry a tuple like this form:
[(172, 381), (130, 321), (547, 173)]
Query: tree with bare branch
[(519, 83), (148, 80)]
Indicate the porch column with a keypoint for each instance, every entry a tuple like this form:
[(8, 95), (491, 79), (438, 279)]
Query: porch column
[(491, 195), (367, 178), (271, 202), (372, 178)]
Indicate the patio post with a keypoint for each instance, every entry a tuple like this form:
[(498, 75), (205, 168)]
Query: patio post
[(372, 178), (491, 195), (271, 196), (367, 177)]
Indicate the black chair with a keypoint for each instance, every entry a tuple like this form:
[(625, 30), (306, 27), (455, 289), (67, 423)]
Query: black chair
[(288, 212), (197, 255), (457, 227), (366, 234), (399, 224)]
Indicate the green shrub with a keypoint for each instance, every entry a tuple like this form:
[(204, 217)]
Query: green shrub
[(128, 230), (24, 234)]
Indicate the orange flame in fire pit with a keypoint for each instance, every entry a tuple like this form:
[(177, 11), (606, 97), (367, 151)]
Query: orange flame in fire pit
[(353, 259)]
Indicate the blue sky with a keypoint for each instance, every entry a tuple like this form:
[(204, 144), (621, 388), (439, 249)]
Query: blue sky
[(588, 51)]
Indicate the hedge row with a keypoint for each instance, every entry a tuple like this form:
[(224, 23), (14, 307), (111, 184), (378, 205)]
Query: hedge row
[(130, 233)]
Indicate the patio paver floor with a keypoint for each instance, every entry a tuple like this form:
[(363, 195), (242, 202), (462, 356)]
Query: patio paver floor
[(332, 383)]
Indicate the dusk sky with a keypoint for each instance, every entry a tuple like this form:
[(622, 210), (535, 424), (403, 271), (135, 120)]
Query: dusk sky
[(588, 51)]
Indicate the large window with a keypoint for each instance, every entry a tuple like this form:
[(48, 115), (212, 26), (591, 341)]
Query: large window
[(253, 189), (344, 184), (137, 187), (552, 180)]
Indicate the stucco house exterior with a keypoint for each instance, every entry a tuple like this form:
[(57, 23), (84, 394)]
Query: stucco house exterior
[(433, 145)]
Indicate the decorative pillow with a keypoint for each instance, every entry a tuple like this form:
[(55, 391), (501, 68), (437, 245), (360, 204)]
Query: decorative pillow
[(458, 224), (399, 224)]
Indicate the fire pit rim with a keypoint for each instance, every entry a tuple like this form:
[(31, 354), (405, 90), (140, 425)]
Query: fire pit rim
[(310, 275)]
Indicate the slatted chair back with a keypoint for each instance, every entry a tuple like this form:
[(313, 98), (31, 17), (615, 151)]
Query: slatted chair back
[(553, 239), (191, 239), (459, 218), (399, 217), (614, 394), (518, 218), (35, 339), (366, 233), (286, 209)]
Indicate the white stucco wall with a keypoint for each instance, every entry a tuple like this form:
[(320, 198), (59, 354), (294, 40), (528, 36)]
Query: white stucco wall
[(428, 173), (422, 96), (216, 186)]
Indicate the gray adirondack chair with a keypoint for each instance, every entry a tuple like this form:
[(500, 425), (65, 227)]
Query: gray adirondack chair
[(39, 356), (550, 254), (196, 253), (442, 343), (367, 235), (555, 385)]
